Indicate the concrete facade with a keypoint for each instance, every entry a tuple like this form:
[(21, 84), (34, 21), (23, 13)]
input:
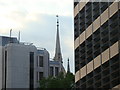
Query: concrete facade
[(43, 54), (3, 41), (55, 68), (97, 44), (20, 64), (54, 65)]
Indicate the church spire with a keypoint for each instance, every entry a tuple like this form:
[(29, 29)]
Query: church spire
[(68, 67), (58, 55)]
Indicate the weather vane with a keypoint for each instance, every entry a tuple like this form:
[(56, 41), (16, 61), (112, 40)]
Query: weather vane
[(56, 15), (57, 20)]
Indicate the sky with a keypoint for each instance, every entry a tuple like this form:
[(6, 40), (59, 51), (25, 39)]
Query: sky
[(36, 20)]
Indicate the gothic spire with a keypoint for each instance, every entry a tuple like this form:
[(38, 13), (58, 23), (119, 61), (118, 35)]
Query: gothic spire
[(58, 55), (68, 67)]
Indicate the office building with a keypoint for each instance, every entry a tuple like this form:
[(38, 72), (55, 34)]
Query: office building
[(42, 69), (3, 41), (19, 66), (97, 44), (22, 65)]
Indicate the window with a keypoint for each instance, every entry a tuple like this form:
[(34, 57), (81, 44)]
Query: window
[(37, 79), (51, 71), (31, 70), (56, 71), (5, 68), (40, 75), (41, 61), (37, 63)]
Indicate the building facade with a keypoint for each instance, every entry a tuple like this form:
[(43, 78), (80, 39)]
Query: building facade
[(22, 65), (97, 44), (19, 66), (54, 68), (3, 41), (42, 69)]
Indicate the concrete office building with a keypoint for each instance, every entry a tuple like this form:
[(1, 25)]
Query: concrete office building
[(42, 69), (19, 66), (3, 41), (97, 44), (22, 65)]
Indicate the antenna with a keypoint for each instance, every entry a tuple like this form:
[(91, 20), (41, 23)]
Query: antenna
[(19, 37), (10, 34)]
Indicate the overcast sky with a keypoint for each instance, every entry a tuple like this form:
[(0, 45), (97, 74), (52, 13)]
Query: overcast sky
[(36, 19)]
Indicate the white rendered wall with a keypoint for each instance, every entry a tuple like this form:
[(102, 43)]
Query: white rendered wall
[(45, 68), (18, 63), (46, 64)]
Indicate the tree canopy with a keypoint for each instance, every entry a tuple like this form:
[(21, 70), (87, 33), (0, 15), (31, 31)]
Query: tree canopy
[(61, 81)]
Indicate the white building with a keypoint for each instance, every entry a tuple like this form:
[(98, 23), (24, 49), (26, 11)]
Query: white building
[(42, 69), (3, 41), (22, 65), (19, 66)]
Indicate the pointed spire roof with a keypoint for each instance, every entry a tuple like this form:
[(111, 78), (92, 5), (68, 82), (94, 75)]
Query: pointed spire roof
[(68, 67), (58, 55)]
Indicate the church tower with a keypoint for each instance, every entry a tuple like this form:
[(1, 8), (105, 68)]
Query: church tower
[(56, 65), (58, 55)]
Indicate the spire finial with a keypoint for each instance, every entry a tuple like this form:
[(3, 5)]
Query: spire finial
[(57, 20)]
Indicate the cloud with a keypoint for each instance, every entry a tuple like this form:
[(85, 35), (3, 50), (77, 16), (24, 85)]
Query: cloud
[(37, 22), (16, 13), (40, 6)]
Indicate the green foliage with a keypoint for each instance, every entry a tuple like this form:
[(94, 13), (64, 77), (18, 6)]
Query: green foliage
[(61, 81)]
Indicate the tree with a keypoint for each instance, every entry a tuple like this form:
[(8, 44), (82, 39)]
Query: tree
[(61, 81)]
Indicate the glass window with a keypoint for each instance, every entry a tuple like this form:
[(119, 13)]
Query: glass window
[(51, 71), (41, 61), (56, 71), (31, 70), (37, 77), (40, 75)]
